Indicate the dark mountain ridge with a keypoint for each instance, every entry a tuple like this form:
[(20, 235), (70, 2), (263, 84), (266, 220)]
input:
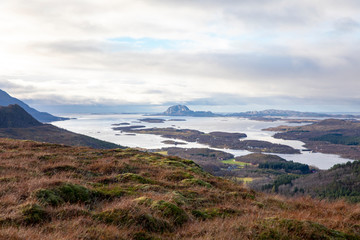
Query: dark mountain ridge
[(16, 123), (14, 116), (6, 99)]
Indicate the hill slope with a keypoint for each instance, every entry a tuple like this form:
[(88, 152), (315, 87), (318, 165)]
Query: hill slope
[(16, 123), (14, 116), (341, 181), (56, 192), (51, 134), (6, 99)]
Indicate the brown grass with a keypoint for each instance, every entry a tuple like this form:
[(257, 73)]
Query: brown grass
[(227, 210)]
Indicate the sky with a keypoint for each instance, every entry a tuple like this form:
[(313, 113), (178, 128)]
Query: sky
[(225, 56)]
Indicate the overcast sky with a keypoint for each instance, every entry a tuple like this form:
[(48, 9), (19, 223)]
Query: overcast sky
[(301, 55)]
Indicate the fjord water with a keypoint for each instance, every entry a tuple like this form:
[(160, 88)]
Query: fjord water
[(100, 126)]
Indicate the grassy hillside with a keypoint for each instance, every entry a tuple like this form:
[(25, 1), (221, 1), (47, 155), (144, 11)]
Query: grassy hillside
[(261, 172), (51, 134), (341, 181), (208, 159), (52, 191)]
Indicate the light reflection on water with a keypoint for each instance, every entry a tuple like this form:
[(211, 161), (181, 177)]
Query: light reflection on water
[(99, 126)]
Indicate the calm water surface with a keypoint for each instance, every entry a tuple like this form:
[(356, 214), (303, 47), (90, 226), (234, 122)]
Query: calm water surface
[(100, 126)]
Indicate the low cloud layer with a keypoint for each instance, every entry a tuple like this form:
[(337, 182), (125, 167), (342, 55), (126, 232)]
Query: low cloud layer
[(159, 52)]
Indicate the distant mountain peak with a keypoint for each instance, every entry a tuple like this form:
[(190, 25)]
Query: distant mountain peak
[(182, 110), (178, 110)]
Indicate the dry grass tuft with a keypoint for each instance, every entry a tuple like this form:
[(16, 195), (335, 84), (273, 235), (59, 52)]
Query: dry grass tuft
[(50, 191)]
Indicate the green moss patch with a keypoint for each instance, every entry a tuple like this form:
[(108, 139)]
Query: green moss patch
[(70, 193), (153, 224), (34, 214), (176, 162), (110, 192), (132, 177), (169, 210), (179, 199), (192, 198), (173, 213), (196, 182), (125, 217), (178, 176), (116, 216), (278, 228), (214, 212)]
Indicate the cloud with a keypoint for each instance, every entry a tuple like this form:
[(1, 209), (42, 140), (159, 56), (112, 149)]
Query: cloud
[(8, 84), (192, 51), (346, 25)]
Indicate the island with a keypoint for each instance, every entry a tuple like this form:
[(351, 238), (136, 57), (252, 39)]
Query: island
[(177, 120), (152, 120), (334, 136), (171, 142), (127, 129), (120, 124), (222, 140)]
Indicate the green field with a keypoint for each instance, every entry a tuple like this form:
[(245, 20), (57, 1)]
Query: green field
[(245, 179), (165, 153), (234, 162)]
